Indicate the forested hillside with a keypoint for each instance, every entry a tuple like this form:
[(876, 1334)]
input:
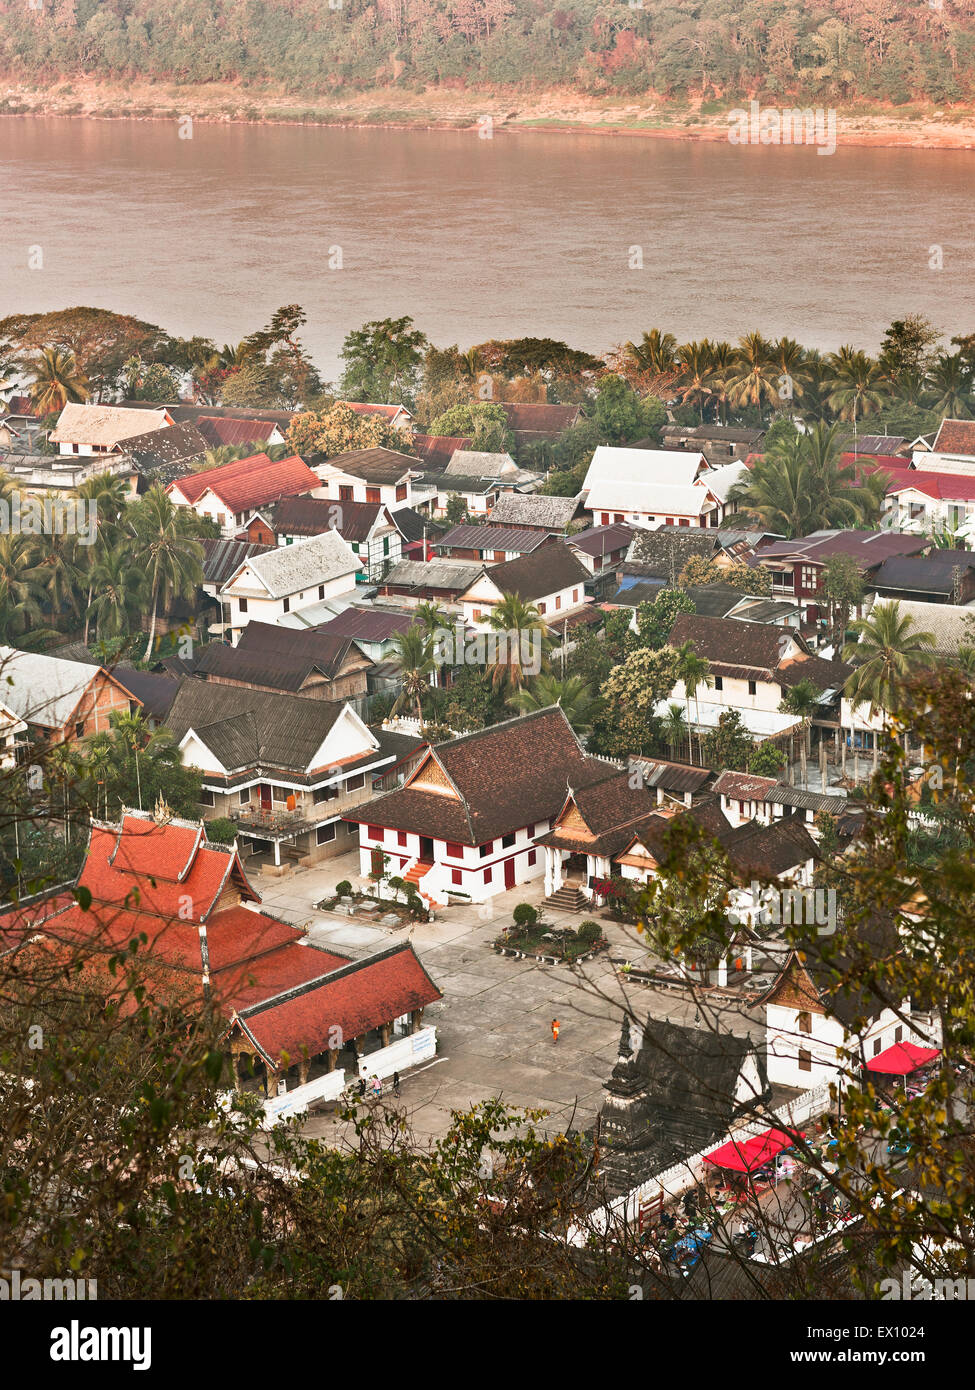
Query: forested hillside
[(846, 51)]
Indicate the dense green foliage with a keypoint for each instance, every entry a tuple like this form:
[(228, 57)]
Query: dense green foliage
[(876, 50)]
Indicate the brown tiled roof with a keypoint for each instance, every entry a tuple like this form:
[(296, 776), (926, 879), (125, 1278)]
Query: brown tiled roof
[(310, 516), (544, 571), (436, 450), (824, 675), (377, 466), (743, 786), (835, 968), (613, 812), (246, 484), (509, 775), (217, 431), (602, 540), (279, 658), (537, 418), (769, 850), (729, 642)]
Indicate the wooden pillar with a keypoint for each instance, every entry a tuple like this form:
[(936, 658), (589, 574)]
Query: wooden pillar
[(416, 1018), (332, 1056), (304, 1066), (384, 1034)]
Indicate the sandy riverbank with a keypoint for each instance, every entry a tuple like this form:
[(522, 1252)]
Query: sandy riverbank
[(439, 109)]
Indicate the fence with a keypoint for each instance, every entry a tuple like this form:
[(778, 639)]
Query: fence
[(691, 1172)]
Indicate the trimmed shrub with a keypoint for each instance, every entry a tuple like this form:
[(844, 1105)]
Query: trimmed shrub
[(525, 915), (344, 889), (589, 932), (221, 830)]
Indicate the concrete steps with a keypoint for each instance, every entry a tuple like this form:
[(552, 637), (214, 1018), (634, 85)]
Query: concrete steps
[(567, 899)]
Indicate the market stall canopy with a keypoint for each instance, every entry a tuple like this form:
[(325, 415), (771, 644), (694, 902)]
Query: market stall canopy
[(902, 1058), (753, 1153)]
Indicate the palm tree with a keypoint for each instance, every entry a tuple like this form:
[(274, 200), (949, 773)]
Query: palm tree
[(169, 549), (754, 376), (697, 381), (800, 486), (22, 582), (655, 352), (889, 650), (572, 695), (58, 562), (856, 385), (789, 358), (413, 657), (949, 385), (693, 670), (513, 617), (675, 730), (57, 379), (432, 623), (802, 701), (120, 583)]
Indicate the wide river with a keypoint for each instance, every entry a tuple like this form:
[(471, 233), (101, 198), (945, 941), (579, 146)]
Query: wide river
[(524, 233)]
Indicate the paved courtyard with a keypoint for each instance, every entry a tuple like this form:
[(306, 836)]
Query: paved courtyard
[(493, 1023)]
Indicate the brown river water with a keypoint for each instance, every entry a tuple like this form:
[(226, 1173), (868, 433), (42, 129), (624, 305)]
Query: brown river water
[(521, 234)]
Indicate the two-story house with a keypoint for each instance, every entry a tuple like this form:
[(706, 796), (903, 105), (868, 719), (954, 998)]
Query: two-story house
[(229, 495), (317, 664), (287, 580), (751, 666), (798, 566), (369, 527), (102, 429), (368, 475), (61, 701), (652, 487), (467, 819), (283, 767), (551, 578), (820, 1026)]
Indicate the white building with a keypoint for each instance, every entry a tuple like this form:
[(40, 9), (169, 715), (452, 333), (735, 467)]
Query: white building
[(656, 487), (817, 1031), (551, 578), (287, 580), (369, 475), (101, 429)]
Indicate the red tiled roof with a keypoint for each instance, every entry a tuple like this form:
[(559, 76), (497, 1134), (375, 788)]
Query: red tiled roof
[(149, 868), (20, 405), (251, 982), (247, 484), (357, 998), (367, 408), (217, 431), (955, 437), (951, 487)]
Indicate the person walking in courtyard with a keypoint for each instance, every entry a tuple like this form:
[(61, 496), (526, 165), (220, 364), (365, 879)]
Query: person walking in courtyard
[(377, 1087), (556, 1025), (395, 1083)]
